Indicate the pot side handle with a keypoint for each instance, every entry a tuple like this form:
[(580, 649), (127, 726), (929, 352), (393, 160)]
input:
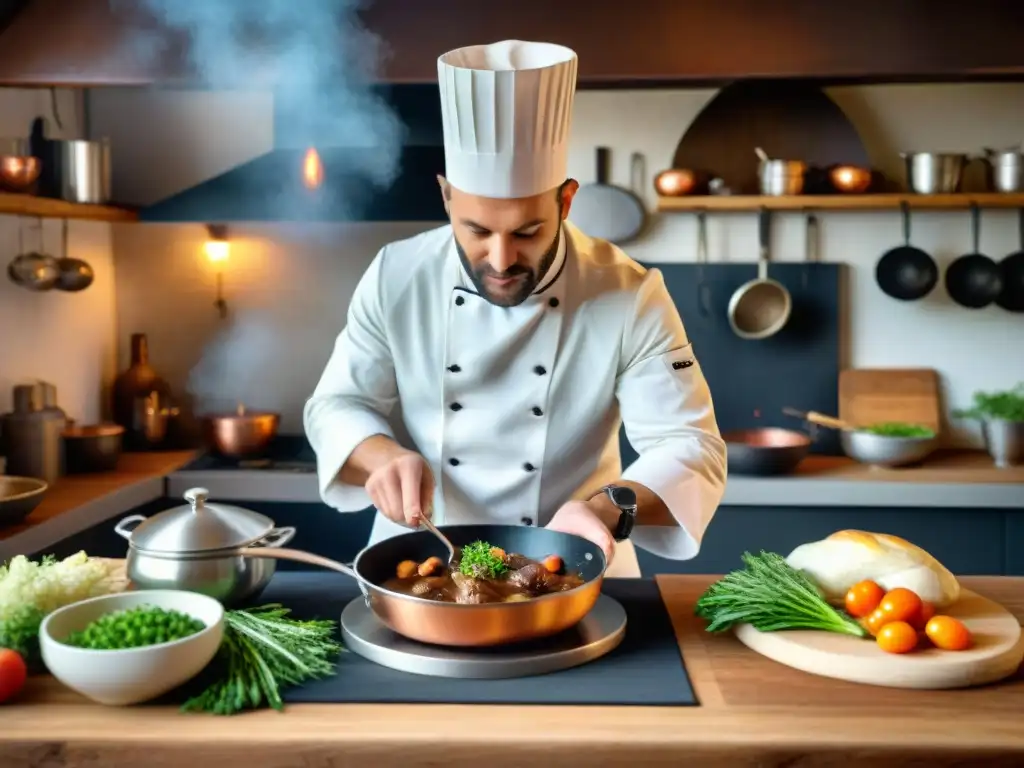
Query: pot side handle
[(278, 537), (126, 525)]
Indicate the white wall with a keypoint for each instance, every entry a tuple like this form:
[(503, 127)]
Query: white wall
[(289, 286), (63, 338)]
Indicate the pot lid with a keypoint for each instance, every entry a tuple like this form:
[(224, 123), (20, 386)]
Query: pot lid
[(199, 527)]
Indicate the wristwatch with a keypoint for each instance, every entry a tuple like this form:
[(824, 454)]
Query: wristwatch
[(625, 499)]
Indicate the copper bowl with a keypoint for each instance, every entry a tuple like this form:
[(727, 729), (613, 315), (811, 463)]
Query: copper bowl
[(677, 182), (92, 448), (19, 170), (851, 179), (242, 433)]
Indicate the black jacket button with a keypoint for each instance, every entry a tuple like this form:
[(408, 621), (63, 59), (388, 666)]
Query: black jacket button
[(540, 370), (454, 368), (454, 462), (537, 411), (459, 301), (552, 302), (529, 467), (527, 521), (455, 407)]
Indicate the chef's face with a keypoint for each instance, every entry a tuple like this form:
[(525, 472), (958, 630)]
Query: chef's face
[(507, 246)]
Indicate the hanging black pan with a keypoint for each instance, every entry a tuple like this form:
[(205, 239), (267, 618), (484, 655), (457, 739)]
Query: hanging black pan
[(905, 272), (1011, 297), (974, 280)]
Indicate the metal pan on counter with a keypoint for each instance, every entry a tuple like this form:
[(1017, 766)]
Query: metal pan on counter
[(884, 445), (228, 552)]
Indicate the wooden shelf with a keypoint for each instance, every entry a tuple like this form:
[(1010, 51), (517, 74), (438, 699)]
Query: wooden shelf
[(839, 202), (48, 208)]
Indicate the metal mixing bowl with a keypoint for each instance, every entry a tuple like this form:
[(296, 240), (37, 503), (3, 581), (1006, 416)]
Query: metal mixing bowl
[(886, 451)]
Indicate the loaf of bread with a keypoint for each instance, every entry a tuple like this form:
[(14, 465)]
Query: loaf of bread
[(838, 562)]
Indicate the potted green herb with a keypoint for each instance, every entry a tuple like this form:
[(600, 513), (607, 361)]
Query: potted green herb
[(1002, 422)]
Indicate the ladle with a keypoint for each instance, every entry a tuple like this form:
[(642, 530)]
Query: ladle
[(75, 274), (829, 422), (33, 270)]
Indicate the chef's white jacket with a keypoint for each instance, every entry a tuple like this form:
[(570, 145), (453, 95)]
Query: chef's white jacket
[(517, 410)]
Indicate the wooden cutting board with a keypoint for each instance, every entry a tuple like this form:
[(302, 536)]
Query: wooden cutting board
[(996, 654), (872, 395)]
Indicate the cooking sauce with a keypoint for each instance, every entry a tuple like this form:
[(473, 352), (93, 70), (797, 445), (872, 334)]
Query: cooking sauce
[(521, 579)]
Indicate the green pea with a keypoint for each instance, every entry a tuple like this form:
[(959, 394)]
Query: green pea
[(135, 628)]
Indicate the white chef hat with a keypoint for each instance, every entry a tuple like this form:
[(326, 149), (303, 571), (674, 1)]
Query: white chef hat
[(506, 110)]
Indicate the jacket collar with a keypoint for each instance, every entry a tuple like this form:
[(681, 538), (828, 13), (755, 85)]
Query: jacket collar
[(463, 281)]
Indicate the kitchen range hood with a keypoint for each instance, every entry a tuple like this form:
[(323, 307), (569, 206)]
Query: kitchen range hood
[(321, 182)]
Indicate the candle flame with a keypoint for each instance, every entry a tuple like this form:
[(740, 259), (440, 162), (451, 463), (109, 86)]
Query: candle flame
[(312, 169)]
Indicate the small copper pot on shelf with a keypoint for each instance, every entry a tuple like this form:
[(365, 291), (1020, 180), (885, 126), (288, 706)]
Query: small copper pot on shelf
[(850, 179), (679, 182), (243, 433)]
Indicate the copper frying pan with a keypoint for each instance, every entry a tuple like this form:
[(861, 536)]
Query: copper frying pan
[(456, 624)]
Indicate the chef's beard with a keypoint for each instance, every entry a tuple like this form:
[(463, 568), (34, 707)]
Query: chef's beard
[(527, 285)]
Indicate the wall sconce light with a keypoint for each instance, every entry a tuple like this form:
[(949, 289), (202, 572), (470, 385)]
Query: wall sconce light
[(217, 250)]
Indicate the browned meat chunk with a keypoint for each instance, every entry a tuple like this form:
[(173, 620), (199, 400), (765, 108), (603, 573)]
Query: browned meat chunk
[(470, 590), (533, 577), (515, 562)]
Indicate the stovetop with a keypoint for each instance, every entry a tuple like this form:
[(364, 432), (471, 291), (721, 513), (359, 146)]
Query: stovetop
[(287, 453)]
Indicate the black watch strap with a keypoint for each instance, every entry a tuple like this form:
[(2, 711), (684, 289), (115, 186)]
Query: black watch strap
[(625, 499)]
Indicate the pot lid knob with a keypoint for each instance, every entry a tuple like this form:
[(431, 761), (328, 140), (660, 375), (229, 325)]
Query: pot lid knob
[(196, 497)]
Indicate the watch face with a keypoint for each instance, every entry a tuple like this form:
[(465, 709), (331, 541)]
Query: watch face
[(623, 497)]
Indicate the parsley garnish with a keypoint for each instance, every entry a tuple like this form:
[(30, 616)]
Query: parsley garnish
[(480, 560)]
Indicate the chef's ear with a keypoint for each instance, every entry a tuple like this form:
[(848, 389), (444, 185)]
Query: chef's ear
[(566, 193), (446, 192)]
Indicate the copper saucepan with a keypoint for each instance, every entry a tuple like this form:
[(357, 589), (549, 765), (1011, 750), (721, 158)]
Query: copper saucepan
[(468, 625), (242, 433)]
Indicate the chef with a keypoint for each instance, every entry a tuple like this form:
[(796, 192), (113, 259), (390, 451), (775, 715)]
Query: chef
[(486, 366)]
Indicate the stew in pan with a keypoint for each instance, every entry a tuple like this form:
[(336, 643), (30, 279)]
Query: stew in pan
[(481, 573)]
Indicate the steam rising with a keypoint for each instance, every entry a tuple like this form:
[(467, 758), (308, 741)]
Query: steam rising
[(319, 61), (314, 54)]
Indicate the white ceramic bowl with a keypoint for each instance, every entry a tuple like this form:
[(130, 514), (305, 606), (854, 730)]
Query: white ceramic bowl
[(131, 675)]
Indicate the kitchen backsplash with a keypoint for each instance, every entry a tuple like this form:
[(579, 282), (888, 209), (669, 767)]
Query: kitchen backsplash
[(64, 338), (288, 286)]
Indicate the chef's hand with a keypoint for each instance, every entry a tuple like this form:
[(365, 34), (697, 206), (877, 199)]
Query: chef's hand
[(580, 519), (402, 488)]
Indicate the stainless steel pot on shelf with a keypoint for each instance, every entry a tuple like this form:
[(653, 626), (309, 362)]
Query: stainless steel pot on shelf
[(935, 173), (178, 549)]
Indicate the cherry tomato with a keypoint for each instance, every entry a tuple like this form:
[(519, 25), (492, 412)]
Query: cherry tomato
[(900, 604), (897, 637), (862, 598), (948, 633), (12, 674), (875, 621), (920, 621)]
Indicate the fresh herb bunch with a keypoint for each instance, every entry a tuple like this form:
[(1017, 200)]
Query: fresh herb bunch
[(899, 429), (770, 595), (482, 561), (264, 651), (1007, 405)]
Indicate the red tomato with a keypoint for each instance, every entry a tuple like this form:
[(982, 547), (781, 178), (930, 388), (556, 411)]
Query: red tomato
[(949, 634), (12, 674), (897, 637), (900, 604), (862, 598)]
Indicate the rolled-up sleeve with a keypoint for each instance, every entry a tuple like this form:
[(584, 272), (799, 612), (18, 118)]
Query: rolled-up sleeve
[(355, 394), (669, 419)]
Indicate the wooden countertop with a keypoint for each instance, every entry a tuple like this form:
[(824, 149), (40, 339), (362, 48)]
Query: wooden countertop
[(941, 467), (74, 491), (753, 713)]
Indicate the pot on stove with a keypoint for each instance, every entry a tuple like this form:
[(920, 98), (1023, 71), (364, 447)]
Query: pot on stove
[(178, 549)]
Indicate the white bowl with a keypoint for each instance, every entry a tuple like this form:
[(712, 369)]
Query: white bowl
[(131, 675)]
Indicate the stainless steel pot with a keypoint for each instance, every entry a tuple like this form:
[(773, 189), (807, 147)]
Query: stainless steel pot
[(934, 173), (178, 549), (1005, 170), (83, 170), (780, 177)]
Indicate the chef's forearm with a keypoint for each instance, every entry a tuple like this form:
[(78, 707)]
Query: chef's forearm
[(650, 509), (374, 452)]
